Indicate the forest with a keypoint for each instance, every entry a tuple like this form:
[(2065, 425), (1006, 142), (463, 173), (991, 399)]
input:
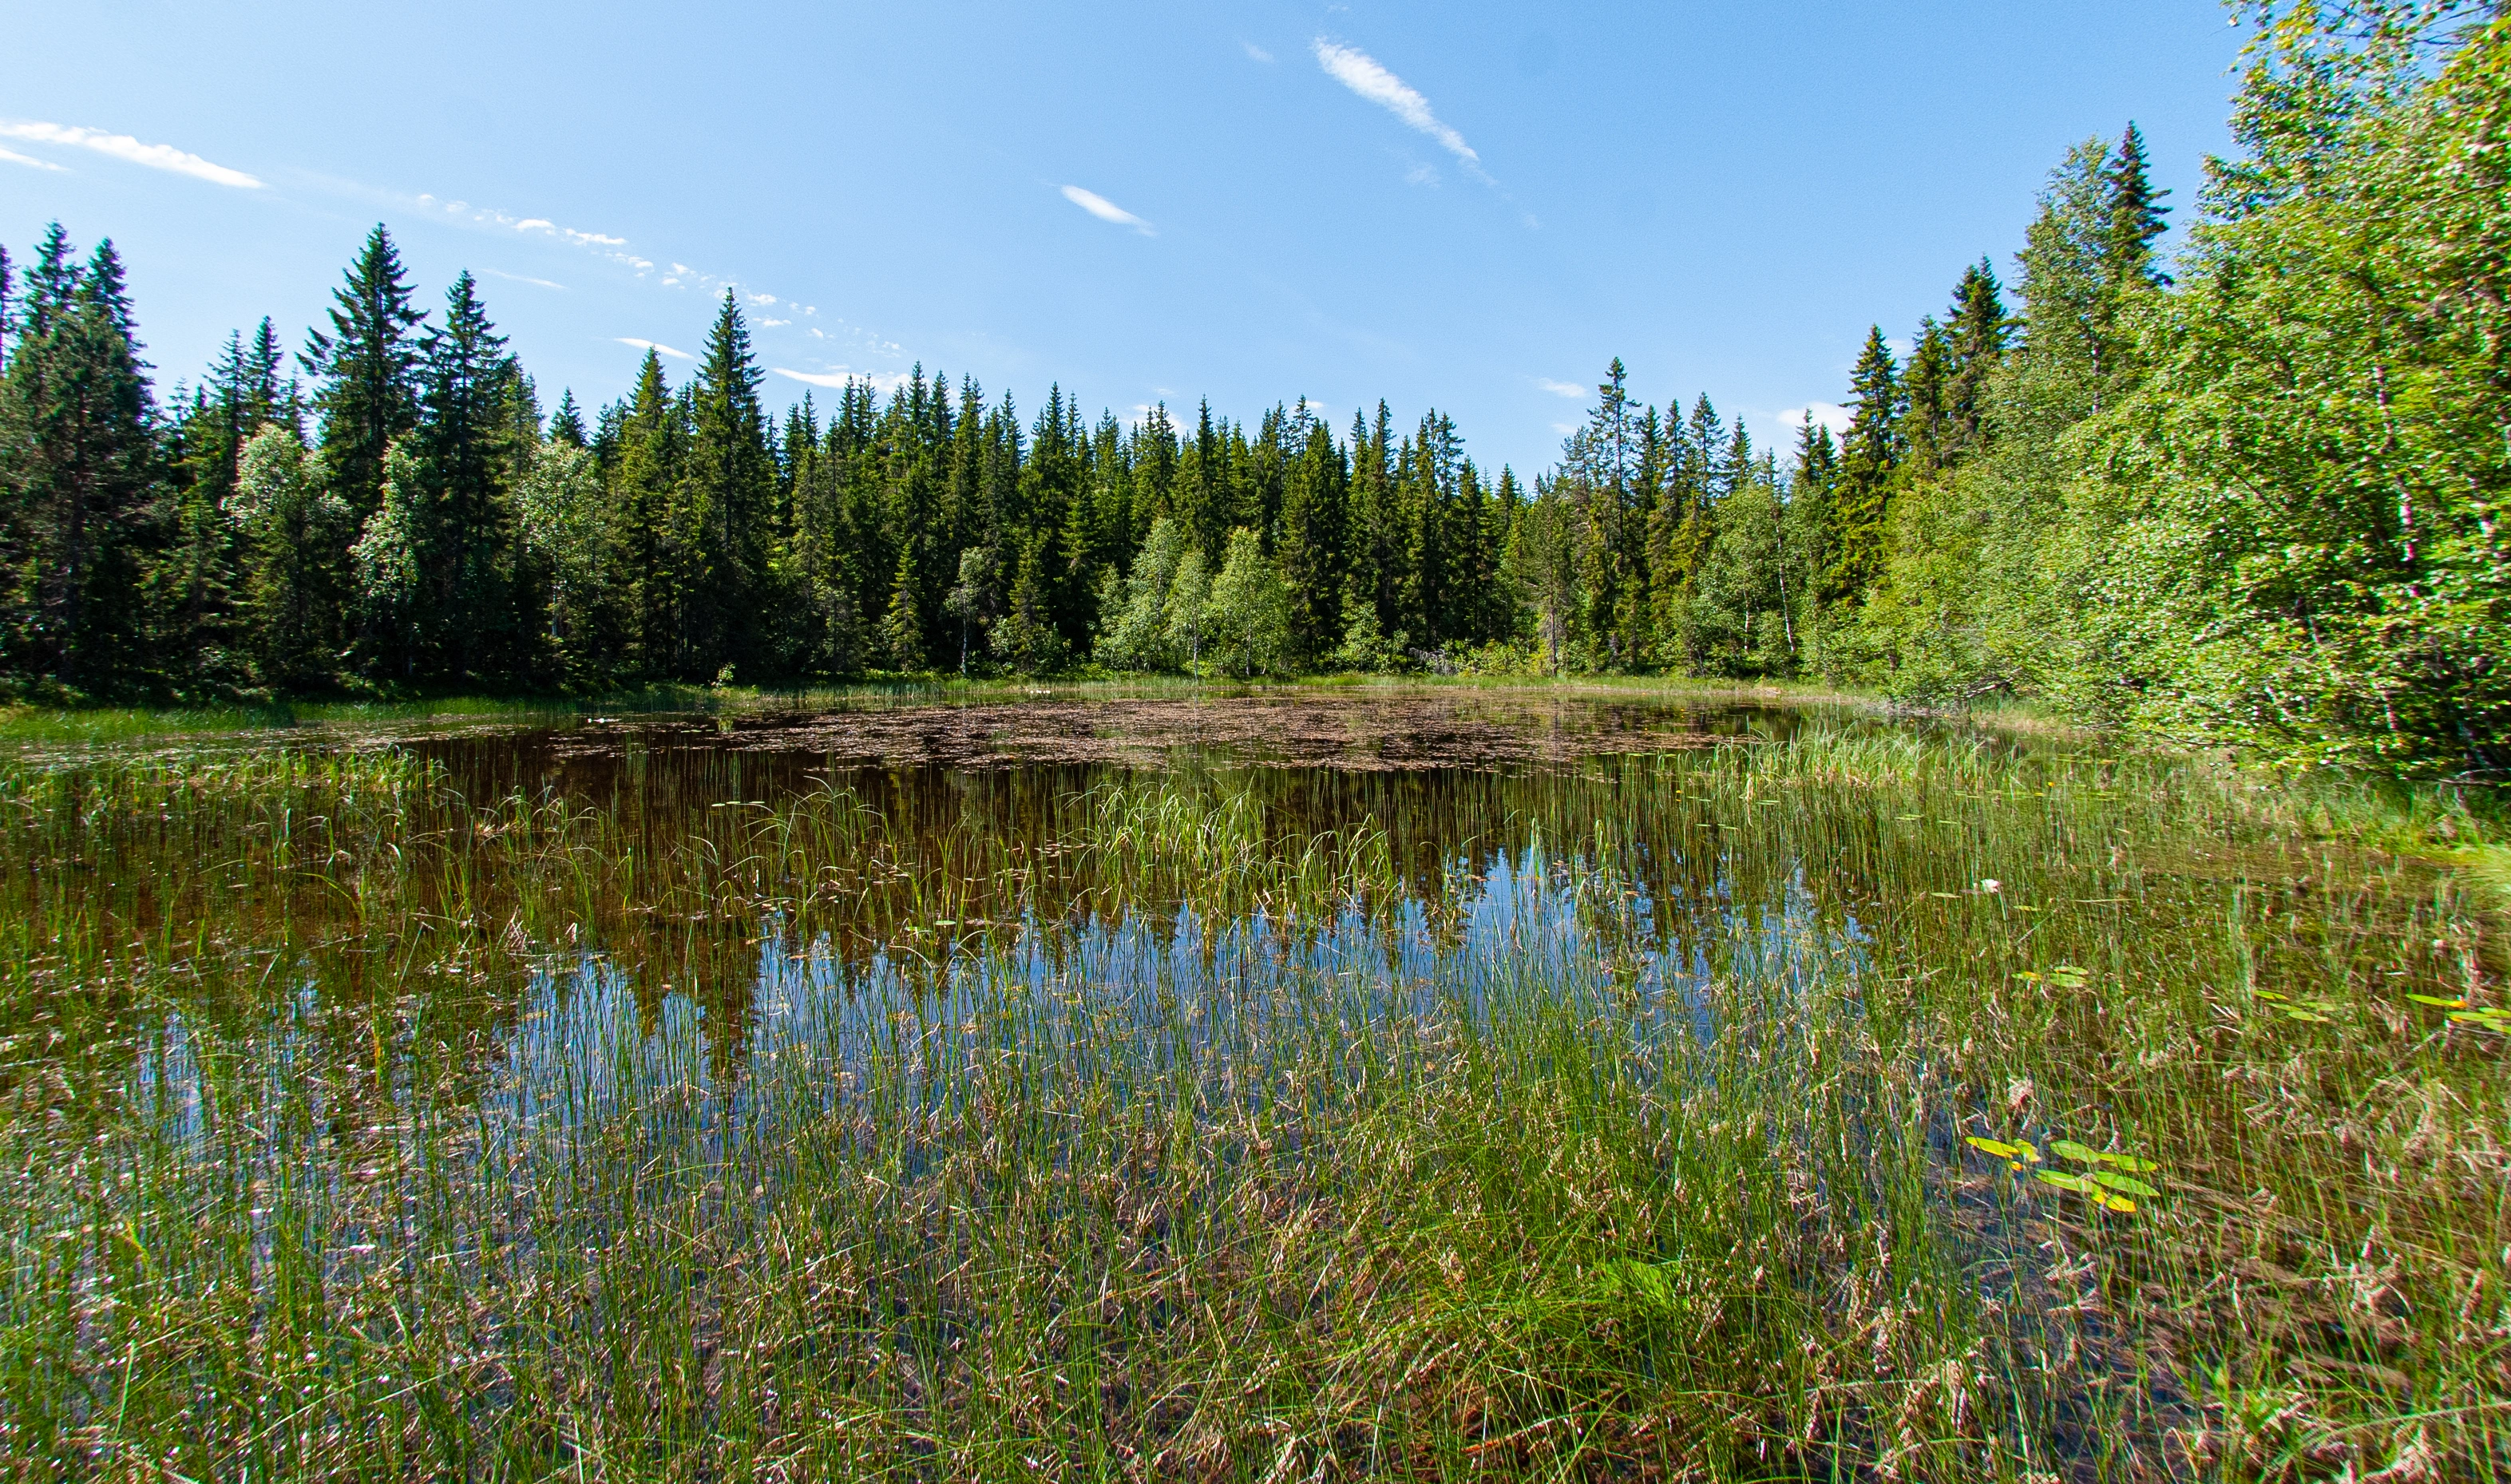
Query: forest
[(2242, 495)]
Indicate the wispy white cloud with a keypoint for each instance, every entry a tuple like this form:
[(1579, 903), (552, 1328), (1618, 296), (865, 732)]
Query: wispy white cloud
[(122, 146), (767, 323), (650, 345), (1569, 389), (1364, 75), (1104, 210), (14, 158), (878, 381), (520, 277), (599, 244), (1423, 173), (1255, 52), (1829, 415)]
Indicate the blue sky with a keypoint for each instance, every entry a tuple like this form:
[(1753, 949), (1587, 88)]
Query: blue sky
[(1467, 206)]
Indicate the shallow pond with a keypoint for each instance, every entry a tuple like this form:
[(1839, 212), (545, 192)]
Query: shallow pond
[(1376, 1081)]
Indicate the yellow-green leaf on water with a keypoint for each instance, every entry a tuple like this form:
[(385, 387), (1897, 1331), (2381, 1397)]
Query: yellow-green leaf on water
[(2438, 1002), (2304, 1015), (2066, 1182), (1996, 1147), (2127, 1183), (2069, 1148), (2120, 1204), (2267, 994), (2131, 1164)]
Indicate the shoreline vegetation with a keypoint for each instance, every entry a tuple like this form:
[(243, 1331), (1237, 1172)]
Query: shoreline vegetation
[(2243, 495), (1823, 1097)]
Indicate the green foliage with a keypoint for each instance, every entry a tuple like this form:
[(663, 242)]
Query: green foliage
[(1247, 613), (2300, 505), (81, 471), (2246, 496), (290, 524)]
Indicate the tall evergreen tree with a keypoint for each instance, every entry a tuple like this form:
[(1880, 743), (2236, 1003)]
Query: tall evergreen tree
[(1870, 452), (79, 473), (2136, 214), (366, 371), (465, 447), (728, 490)]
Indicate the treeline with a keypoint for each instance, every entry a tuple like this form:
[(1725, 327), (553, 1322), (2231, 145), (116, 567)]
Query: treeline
[(2248, 495), (394, 507)]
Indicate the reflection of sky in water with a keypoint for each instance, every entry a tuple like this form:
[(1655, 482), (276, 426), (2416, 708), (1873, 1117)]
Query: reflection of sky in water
[(1145, 1000)]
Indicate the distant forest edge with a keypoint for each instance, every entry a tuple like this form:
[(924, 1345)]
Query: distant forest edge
[(2248, 496)]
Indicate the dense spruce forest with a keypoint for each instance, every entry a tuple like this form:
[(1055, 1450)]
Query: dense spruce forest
[(2244, 495)]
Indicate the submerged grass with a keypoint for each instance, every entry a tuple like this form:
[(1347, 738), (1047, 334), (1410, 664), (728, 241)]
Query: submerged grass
[(1869, 1103)]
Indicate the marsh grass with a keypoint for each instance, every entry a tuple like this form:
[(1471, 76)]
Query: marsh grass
[(368, 1113)]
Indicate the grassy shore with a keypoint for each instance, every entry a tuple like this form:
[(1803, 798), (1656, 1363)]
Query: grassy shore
[(1874, 1103)]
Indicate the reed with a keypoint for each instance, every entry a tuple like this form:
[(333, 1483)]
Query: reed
[(397, 1111)]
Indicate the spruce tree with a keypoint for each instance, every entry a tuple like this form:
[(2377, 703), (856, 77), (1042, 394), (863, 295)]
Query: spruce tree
[(1310, 543), (1926, 393), (2136, 214), (902, 628), (1978, 330), (566, 424), (366, 371), (730, 485), (1871, 451), (79, 473), (465, 448)]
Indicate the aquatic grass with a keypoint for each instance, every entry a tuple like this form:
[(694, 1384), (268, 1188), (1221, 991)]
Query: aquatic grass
[(380, 1113)]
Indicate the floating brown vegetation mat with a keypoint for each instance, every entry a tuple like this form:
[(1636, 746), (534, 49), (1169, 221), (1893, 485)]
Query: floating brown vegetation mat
[(1376, 731)]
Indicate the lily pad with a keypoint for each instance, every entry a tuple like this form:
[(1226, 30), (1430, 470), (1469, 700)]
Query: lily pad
[(2069, 1148), (2066, 1182), (2127, 1183)]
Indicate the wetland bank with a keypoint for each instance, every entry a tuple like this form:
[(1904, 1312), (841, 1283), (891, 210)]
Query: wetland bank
[(1381, 1084)]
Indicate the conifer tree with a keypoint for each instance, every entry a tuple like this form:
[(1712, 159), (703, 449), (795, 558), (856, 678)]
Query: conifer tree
[(728, 493), (79, 473), (2136, 214), (366, 371), (1978, 331), (1867, 457), (464, 451), (566, 424), (902, 628)]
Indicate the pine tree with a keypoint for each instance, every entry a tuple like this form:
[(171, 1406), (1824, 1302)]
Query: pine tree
[(367, 371)]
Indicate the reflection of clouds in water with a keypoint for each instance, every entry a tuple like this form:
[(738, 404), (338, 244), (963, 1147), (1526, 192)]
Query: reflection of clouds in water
[(1147, 995)]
